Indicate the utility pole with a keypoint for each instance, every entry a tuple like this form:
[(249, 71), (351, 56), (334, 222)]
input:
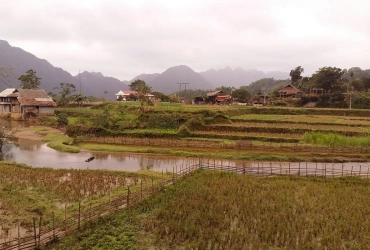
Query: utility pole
[(181, 83)]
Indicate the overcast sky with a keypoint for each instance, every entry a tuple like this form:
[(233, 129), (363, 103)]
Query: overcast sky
[(123, 39)]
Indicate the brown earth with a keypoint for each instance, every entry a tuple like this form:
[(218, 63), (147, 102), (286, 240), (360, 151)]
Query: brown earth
[(36, 133)]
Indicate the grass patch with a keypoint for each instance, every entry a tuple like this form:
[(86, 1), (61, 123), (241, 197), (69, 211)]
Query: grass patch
[(331, 139), (186, 152), (61, 142)]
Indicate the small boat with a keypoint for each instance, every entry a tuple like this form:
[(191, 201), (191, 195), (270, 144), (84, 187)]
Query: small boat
[(90, 159)]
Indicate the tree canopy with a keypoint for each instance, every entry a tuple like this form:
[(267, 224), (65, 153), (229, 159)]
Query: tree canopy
[(65, 90), (328, 78), (29, 80), (296, 75), (142, 90), (241, 95)]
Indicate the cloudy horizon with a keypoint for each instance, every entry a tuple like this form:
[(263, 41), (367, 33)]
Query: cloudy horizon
[(123, 39)]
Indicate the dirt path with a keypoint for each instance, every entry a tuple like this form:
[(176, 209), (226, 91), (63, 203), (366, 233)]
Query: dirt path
[(36, 133)]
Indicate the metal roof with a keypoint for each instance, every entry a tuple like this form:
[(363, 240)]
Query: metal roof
[(7, 92)]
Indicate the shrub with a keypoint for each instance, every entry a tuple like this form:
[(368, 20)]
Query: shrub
[(196, 122), (62, 119), (162, 121), (184, 131), (48, 120)]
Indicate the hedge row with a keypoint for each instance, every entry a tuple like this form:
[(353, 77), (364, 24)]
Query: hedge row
[(275, 130)]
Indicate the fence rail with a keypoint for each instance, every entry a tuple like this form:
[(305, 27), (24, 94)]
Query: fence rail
[(287, 168), (46, 235)]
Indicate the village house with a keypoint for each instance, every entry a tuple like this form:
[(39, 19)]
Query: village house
[(23, 103), (218, 97), (260, 99), (289, 91), (127, 95)]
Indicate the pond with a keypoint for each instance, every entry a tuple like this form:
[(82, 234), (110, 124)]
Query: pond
[(38, 154)]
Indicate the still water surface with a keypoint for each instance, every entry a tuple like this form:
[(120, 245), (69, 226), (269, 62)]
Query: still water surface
[(37, 154)]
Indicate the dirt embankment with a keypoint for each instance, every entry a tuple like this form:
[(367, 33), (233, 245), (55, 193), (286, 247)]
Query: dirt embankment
[(36, 133)]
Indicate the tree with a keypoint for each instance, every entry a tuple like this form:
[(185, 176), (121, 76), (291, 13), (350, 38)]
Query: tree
[(328, 78), (65, 90), (241, 95), (79, 98), (142, 90), (30, 80), (226, 90), (296, 75), (161, 96)]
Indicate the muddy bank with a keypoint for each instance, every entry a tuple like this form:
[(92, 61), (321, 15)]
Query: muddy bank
[(35, 133)]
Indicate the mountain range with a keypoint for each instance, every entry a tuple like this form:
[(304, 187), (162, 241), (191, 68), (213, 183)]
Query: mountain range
[(96, 84)]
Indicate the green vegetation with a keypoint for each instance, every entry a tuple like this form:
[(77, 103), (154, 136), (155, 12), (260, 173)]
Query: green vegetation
[(332, 140), (213, 210), (61, 142), (264, 127)]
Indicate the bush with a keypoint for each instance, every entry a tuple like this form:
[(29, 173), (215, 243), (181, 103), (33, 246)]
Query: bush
[(62, 119), (184, 131), (162, 121), (48, 121), (195, 123), (280, 103), (80, 129)]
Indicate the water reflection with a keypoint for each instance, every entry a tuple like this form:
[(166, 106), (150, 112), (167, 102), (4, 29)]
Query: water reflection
[(37, 154)]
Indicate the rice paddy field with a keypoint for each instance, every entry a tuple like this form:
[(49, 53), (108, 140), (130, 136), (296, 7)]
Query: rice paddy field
[(232, 126), (54, 194), (218, 210), (205, 209)]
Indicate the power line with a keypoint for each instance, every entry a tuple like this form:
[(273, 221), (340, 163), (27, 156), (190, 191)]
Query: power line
[(181, 83)]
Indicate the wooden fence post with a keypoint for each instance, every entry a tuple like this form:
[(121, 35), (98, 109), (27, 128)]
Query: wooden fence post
[(34, 231), (40, 229), (53, 214), (65, 217), (79, 214), (19, 234), (128, 195), (360, 170)]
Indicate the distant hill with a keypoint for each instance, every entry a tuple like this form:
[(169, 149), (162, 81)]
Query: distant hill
[(22, 61), (239, 77), (167, 81), (96, 84), (145, 77), (93, 83)]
